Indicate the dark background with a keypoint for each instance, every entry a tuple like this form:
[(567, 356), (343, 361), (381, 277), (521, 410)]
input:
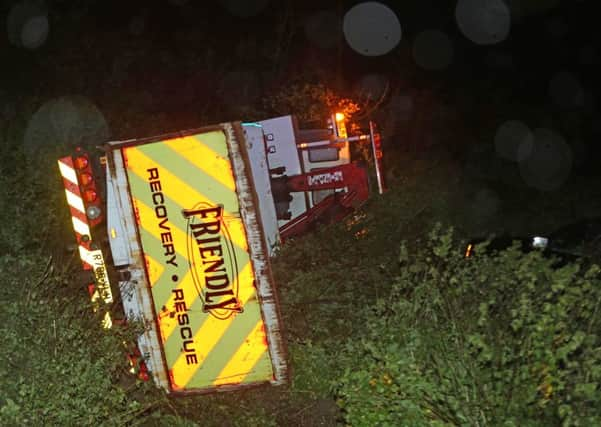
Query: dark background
[(453, 116), (110, 69)]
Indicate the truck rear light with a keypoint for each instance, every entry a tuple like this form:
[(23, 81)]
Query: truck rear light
[(86, 179), (90, 195), (81, 162), (93, 212), (143, 373)]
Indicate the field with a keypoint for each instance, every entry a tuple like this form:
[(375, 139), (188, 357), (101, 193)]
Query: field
[(386, 323)]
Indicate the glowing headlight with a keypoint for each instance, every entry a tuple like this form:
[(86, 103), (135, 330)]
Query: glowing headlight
[(540, 242), (93, 212)]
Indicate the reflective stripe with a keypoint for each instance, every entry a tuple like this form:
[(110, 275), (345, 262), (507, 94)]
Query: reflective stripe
[(68, 172), (244, 361), (80, 227), (75, 201), (107, 322), (198, 263), (87, 255)]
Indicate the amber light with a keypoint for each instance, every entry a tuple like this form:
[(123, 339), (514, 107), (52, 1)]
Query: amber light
[(90, 195), (81, 162), (339, 117), (86, 179), (468, 250)]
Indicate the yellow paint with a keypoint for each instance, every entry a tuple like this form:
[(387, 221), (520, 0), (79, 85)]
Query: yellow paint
[(240, 365), (204, 159), (177, 189), (154, 269), (167, 323), (210, 337), (210, 333)]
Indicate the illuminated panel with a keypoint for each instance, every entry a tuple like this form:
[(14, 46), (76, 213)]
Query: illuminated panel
[(198, 262)]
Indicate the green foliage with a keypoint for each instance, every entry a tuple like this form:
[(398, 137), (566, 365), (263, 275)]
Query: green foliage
[(60, 369), (499, 339), (429, 338), (310, 102), (58, 366)]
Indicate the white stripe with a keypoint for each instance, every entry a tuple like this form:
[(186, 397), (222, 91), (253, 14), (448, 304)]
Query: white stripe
[(68, 173), (75, 201), (86, 255), (80, 227)]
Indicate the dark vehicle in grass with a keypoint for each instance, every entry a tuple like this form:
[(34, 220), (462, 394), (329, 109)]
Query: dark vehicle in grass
[(578, 240)]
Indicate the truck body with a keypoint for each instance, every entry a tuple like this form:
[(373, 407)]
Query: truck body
[(176, 232)]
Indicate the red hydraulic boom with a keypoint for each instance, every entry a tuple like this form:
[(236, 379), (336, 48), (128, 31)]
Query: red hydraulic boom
[(351, 177)]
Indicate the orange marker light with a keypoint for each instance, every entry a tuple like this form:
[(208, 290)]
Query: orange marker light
[(90, 195), (86, 179), (81, 162), (339, 117), (468, 251)]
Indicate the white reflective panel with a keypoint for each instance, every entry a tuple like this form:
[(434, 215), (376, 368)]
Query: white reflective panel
[(68, 173), (80, 227), (539, 242), (75, 201)]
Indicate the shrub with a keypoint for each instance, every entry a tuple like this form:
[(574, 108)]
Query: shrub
[(57, 365), (498, 339)]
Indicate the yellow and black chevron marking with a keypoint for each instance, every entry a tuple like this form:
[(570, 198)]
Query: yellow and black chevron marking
[(197, 262)]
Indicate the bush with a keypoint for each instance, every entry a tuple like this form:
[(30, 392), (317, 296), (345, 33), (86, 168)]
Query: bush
[(500, 339), (57, 365)]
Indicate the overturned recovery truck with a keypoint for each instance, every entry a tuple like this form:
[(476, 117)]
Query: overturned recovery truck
[(176, 232)]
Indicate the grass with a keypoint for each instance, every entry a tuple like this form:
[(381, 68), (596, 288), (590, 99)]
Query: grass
[(325, 278)]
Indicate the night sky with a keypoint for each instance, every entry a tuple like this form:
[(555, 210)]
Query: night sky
[(511, 85)]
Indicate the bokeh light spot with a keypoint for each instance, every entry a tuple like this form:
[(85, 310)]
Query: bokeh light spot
[(68, 121), (513, 140), (35, 32), (484, 22), (371, 29), (27, 25), (550, 161)]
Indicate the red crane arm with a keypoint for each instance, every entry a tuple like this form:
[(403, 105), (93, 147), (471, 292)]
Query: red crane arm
[(334, 207)]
